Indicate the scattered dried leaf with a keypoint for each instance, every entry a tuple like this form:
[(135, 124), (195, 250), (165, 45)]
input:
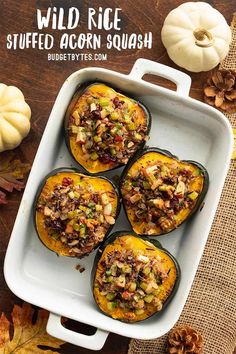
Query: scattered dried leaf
[(11, 171), (27, 336)]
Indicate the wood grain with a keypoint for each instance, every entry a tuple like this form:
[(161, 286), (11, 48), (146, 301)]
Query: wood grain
[(40, 81)]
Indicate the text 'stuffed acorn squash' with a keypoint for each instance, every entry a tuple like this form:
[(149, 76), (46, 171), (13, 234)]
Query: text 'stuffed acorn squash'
[(104, 128), (160, 192), (74, 212), (133, 277)]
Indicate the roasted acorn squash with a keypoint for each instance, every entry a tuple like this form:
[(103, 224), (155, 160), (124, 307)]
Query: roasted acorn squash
[(74, 212), (104, 128), (133, 277), (160, 192)]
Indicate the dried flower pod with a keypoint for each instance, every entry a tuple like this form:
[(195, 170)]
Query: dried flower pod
[(220, 90), (184, 340)]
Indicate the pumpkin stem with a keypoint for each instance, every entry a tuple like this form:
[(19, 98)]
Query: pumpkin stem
[(204, 38)]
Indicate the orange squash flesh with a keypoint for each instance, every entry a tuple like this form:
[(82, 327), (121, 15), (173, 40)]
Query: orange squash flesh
[(98, 184), (139, 246), (198, 184), (80, 104)]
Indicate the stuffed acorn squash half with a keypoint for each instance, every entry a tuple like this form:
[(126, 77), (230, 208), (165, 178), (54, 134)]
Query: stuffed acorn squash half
[(74, 212), (104, 128), (160, 192), (133, 277)]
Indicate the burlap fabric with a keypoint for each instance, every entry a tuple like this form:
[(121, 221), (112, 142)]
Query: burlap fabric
[(211, 305)]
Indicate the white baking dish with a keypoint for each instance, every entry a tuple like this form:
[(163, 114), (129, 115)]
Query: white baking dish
[(186, 127)]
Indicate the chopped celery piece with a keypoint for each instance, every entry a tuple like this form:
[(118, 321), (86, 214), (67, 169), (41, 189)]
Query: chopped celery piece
[(110, 296), (162, 188), (113, 269), (94, 156), (77, 195), (82, 230), (119, 126), (75, 129), (72, 214), (83, 208), (97, 139), (146, 185), (98, 207), (132, 287), (126, 268), (151, 178), (76, 227), (139, 311), (131, 126), (193, 195), (146, 270), (104, 101), (111, 305), (127, 186), (114, 131), (113, 151), (109, 279), (156, 291), (127, 118), (137, 136), (91, 205), (55, 236), (143, 285), (148, 298), (71, 195), (114, 115)]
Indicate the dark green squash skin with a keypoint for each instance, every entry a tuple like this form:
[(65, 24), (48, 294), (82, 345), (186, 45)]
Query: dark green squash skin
[(157, 244), (71, 169), (75, 97), (140, 153)]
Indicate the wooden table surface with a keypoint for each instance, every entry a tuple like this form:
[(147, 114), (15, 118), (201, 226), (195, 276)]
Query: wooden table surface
[(40, 81)]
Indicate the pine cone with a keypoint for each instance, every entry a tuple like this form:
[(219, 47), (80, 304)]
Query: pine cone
[(184, 340), (220, 90)]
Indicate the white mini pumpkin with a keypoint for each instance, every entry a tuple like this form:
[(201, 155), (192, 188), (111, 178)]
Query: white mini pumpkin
[(196, 36), (15, 116)]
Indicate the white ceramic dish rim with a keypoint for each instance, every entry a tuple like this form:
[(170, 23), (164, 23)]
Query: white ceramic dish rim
[(141, 67)]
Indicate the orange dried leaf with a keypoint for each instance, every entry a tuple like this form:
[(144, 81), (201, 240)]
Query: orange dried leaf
[(27, 337), (11, 171)]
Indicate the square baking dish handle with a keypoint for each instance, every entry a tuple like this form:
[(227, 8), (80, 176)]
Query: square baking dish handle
[(145, 66), (93, 342)]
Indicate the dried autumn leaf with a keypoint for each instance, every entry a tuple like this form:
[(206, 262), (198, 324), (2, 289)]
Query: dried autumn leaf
[(27, 336), (11, 171)]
